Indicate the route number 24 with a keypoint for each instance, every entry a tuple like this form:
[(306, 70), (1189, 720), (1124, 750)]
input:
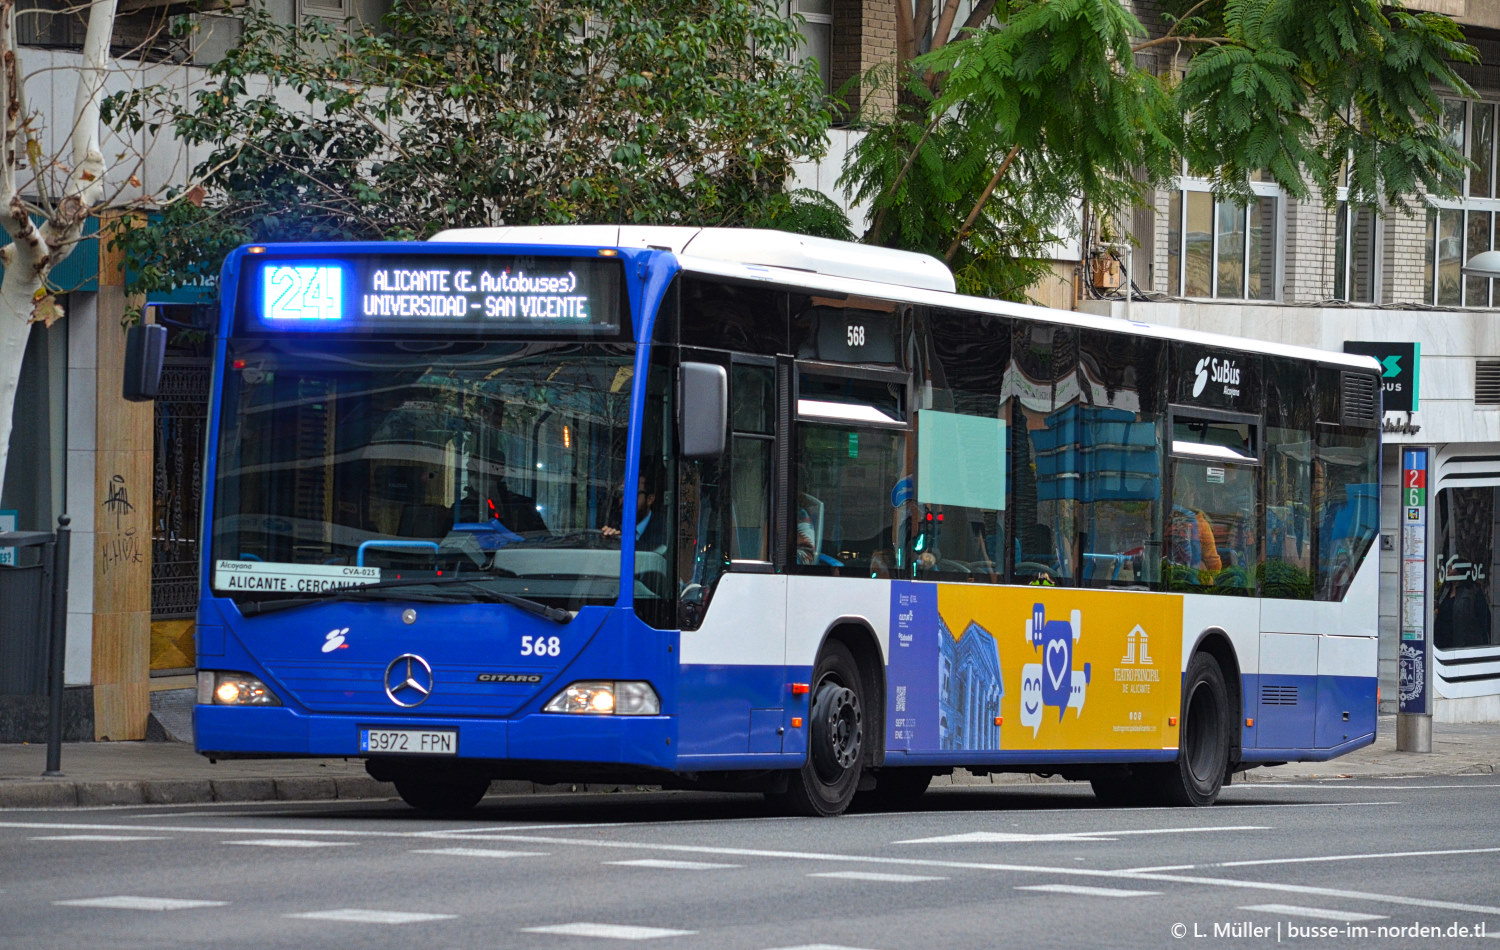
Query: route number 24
[(541, 646)]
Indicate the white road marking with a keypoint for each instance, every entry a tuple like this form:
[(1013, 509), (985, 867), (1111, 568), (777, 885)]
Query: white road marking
[(482, 853), (1009, 837), (608, 931), (1032, 869), (293, 843), (818, 946), (1317, 859), (877, 876), (125, 902), (1354, 857), (673, 865), (1318, 892), (1318, 912), (1089, 891), (102, 838), (356, 915)]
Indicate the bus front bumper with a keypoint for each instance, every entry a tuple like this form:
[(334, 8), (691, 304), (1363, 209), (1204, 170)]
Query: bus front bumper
[(644, 741)]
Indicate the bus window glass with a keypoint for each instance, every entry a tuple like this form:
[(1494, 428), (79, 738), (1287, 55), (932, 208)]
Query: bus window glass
[(754, 406), (1466, 533), (1210, 541), (1346, 491), (656, 500), (844, 522), (497, 458), (701, 555), (1111, 433), (963, 439), (1034, 387), (720, 315), (1286, 568)]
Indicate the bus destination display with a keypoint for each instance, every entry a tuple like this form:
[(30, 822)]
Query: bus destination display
[(440, 292)]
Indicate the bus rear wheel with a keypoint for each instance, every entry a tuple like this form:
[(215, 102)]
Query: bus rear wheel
[(458, 795), (827, 781), (1203, 748)]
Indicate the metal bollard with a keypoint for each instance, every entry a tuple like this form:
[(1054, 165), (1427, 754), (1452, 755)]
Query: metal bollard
[(57, 647)]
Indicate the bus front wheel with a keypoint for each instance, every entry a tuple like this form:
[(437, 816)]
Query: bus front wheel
[(827, 781), (435, 796), (1203, 748)]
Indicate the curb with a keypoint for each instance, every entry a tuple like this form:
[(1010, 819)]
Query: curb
[(60, 793)]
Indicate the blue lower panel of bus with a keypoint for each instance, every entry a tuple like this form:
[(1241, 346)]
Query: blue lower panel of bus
[(1307, 718), (630, 740), (738, 711)]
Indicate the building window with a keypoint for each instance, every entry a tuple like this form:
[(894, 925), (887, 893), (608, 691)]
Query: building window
[(815, 26), (1220, 249), (1462, 226), (1355, 254)]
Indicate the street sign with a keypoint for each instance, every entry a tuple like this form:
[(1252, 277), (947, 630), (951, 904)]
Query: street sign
[(1413, 655), (1400, 363)]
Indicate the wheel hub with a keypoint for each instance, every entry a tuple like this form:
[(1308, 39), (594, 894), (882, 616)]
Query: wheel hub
[(838, 734)]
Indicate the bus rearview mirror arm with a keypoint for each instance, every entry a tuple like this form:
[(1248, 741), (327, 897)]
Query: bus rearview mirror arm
[(702, 410)]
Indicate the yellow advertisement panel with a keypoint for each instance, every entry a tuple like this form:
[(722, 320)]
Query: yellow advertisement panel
[(1033, 669)]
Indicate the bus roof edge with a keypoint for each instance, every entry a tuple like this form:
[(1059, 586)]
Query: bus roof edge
[(738, 245)]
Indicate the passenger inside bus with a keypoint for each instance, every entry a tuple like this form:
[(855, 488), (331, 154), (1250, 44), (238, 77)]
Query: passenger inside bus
[(1190, 535), (650, 524)]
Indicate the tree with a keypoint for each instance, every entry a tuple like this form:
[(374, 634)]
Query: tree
[(43, 229), (999, 130), (488, 112)]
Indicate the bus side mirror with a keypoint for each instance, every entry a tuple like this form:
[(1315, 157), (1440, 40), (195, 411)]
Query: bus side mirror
[(702, 410), (145, 348)]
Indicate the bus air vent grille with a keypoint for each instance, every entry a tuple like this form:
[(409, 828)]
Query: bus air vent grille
[(1278, 695), (1487, 383), (1361, 402)]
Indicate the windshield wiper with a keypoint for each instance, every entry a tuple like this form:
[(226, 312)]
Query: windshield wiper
[(357, 591)]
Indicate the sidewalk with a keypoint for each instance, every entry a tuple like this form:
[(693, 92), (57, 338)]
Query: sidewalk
[(165, 773)]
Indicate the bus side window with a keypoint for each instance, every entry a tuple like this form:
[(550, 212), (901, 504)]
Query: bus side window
[(753, 402), (962, 446), (1286, 569)]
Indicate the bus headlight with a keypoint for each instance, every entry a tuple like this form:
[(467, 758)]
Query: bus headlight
[(607, 698), (231, 688)]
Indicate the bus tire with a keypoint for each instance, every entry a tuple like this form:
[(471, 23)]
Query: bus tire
[(458, 795), (895, 790), (1203, 747), (825, 784)]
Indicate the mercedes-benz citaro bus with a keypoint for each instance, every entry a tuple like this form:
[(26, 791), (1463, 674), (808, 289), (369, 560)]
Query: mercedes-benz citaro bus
[(731, 509)]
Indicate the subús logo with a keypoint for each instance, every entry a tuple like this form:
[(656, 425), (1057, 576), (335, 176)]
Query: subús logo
[(1219, 371)]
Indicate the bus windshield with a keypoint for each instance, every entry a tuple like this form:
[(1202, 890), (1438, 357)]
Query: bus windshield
[(345, 464)]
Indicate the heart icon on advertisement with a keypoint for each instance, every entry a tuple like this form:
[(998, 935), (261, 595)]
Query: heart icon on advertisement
[(1057, 662)]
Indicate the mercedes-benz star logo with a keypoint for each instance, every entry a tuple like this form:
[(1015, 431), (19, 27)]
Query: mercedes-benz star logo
[(408, 680)]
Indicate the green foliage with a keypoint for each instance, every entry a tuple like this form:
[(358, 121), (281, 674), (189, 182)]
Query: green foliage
[(1281, 579), (487, 112), (1302, 89), (1055, 87)]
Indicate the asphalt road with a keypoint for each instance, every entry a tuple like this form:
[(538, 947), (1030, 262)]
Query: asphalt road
[(1312, 864)]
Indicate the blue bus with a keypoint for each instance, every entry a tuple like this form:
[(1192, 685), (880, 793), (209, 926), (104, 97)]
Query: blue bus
[(744, 510)]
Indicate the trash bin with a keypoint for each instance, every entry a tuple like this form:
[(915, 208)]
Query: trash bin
[(24, 622)]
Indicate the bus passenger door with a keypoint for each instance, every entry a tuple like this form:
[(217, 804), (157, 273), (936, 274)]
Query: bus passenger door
[(733, 623)]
